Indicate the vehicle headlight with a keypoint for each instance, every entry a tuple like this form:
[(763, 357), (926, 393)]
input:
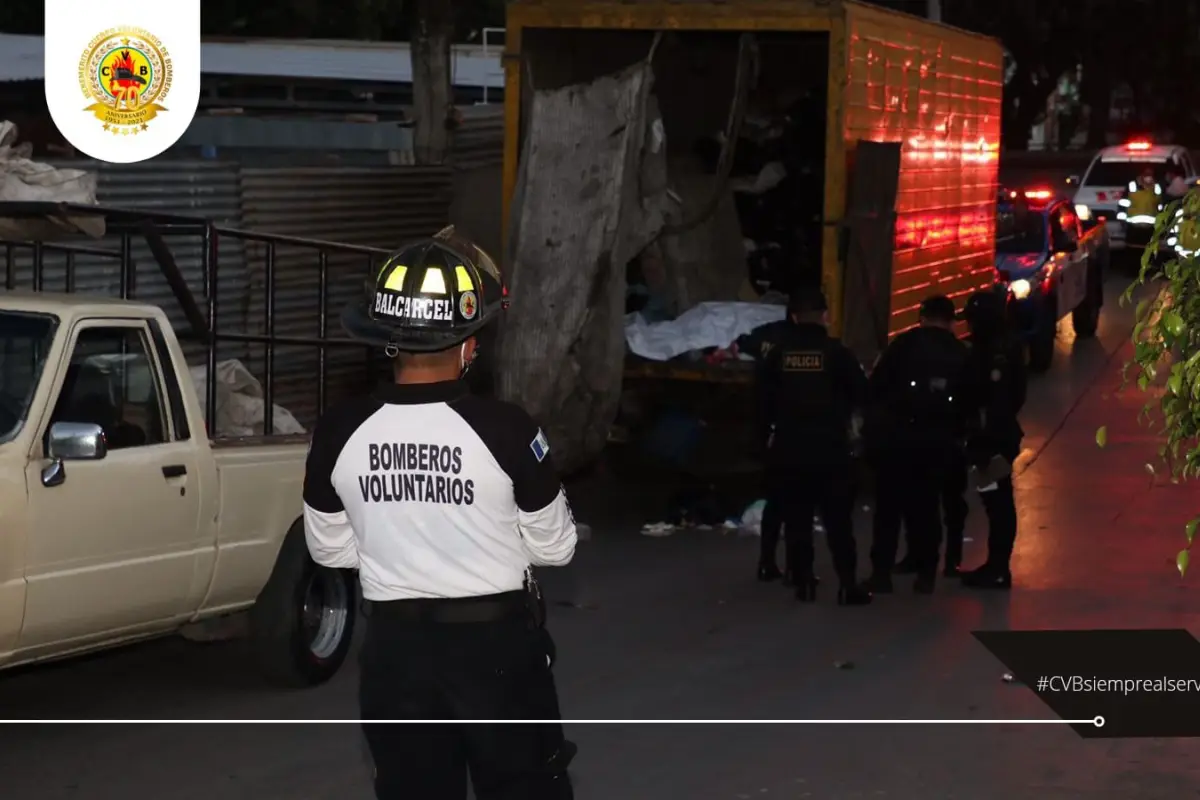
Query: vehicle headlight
[(1020, 288), (1083, 212)]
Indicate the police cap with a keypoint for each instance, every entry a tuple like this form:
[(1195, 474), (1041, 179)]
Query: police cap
[(937, 308), (807, 300), (428, 296)]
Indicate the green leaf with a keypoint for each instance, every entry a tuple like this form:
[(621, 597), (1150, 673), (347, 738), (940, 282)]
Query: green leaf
[(1143, 381), (1173, 323), (1181, 562), (1189, 530), (1140, 311), (1175, 382), (1102, 436)]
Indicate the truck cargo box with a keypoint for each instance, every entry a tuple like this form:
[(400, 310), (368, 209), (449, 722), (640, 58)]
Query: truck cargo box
[(893, 223)]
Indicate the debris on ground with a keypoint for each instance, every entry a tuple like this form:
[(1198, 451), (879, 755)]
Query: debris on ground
[(658, 529), (750, 522), (843, 664)]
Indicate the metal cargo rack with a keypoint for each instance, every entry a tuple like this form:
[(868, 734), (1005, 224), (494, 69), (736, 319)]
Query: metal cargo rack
[(156, 229)]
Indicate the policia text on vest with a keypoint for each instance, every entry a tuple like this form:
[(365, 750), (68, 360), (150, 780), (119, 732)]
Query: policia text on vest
[(407, 472)]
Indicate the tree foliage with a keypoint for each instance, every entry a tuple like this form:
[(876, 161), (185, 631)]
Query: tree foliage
[(1166, 340)]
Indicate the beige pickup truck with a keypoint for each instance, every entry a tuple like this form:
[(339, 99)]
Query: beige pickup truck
[(119, 518)]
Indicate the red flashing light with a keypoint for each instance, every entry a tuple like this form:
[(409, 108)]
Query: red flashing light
[(1138, 145), (1038, 194)]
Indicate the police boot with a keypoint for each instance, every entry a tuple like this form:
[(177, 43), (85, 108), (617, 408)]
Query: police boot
[(768, 573), (879, 583), (988, 577), (806, 588), (953, 564), (853, 594)]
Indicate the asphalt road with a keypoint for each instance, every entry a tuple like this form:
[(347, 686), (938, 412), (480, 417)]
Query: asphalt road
[(674, 628)]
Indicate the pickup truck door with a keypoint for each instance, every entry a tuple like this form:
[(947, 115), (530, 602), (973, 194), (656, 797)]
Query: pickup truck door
[(115, 545), (1072, 268)]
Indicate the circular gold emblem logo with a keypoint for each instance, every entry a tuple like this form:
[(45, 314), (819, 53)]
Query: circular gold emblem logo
[(125, 72)]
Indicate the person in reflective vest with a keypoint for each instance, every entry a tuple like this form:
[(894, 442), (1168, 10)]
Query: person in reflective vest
[(1142, 202), (1185, 236)]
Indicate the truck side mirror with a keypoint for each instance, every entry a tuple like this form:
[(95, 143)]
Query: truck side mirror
[(1065, 245), (71, 441), (76, 441)]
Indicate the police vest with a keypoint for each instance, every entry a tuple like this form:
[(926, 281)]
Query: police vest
[(1143, 201)]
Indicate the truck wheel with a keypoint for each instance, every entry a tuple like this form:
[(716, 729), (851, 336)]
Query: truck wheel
[(302, 625), (1041, 345), (1086, 316)]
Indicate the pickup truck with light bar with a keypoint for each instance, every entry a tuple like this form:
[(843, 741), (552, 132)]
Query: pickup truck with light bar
[(124, 513), (1051, 264)]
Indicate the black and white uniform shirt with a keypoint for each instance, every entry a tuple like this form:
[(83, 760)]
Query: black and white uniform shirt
[(430, 491)]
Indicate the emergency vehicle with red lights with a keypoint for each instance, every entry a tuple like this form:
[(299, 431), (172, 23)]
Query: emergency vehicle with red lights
[(1110, 174), (1050, 264)]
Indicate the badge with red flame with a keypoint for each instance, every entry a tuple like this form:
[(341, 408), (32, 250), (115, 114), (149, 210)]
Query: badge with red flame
[(126, 73)]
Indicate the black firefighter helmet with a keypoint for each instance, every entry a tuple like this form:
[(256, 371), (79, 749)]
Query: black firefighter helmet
[(429, 296)]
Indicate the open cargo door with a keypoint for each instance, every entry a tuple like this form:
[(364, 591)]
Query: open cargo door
[(580, 213), (869, 235)]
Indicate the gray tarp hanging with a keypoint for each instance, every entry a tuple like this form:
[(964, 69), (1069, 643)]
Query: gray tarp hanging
[(589, 198)]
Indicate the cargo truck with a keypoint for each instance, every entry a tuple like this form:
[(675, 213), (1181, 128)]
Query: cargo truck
[(905, 133)]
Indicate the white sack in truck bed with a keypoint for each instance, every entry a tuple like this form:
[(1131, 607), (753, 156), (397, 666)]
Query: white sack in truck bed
[(23, 180), (240, 402)]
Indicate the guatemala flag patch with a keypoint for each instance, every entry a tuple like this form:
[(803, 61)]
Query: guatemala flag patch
[(539, 446)]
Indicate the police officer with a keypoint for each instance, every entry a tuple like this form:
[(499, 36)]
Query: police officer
[(758, 344), (811, 387), (442, 499), (916, 421), (997, 367)]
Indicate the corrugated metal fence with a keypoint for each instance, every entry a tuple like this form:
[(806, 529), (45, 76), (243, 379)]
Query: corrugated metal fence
[(377, 207), (479, 140)]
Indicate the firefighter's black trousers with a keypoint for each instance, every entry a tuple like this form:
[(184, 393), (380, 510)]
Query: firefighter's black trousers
[(469, 659)]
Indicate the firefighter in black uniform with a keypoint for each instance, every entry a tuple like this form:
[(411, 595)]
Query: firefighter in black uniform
[(758, 344), (811, 387), (915, 422), (442, 499), (998, 372)]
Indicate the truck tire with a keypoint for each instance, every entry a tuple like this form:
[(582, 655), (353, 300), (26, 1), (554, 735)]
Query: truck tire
[(1041, 344), (302, 625)]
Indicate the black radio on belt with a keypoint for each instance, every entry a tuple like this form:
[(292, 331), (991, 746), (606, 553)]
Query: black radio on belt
[(534, 600)]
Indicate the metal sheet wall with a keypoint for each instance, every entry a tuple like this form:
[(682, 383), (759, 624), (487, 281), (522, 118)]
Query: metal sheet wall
[(197, 188), (479, 140), (380, 207)]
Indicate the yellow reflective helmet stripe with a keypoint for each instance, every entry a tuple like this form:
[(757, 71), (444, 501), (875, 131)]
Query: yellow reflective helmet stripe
[(463, 278), (395, 281), (434, 281)]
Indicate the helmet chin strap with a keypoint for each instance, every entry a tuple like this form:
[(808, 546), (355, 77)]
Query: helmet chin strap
[(464, 364)]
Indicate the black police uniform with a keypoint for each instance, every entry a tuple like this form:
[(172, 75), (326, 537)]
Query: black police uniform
[(442, 500), (1000, 379), (812, 385), (915, 423), (954, 517), (758, 344)]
